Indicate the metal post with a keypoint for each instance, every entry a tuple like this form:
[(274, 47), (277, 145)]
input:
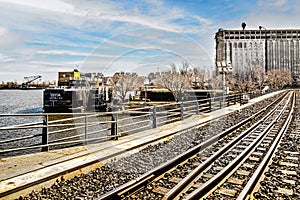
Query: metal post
[(145, 101), (223, 81), (266, 47), (240, 99), (234, 99), (223, 87), (154, 123), (45, 134), (85, 129), (181, 111), (228, 100), (197, 107), (114, 126), (266, 51)]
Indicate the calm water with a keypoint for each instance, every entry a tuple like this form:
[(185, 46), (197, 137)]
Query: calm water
[(19, 102), (31, 102)]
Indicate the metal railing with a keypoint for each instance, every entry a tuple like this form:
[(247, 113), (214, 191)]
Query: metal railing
[(61, 130)]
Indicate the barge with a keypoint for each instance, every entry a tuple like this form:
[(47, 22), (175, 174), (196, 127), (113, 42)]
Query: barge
[(75, 94)]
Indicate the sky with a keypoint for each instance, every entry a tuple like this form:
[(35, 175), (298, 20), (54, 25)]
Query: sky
[(45, 37)]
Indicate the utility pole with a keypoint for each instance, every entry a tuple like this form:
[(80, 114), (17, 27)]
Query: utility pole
[(266, 47)]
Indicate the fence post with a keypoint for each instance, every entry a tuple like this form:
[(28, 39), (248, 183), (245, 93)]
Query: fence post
[(154, 125), (181, 111), (240, 99), (197, 107), (228, 100), (85, 129), (234, 99), (209, 102), (114, 126), (45, 134)]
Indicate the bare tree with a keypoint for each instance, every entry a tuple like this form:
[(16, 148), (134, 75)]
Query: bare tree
[(279, 78), (197, 78), (175, 80), (251, 78), (126, 82), (254, 78), (215, 83), (258, 76), (286, 77)]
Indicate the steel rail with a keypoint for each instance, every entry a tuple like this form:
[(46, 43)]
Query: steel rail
[(20, 127), (258, 172), (80, 135), (19, 138), (66, 129), (83, 116), (140, 122), (169, 114), (138, 182), (135, 129), (196, 194), (134, 117), (98, 131), (188, 179), (55, 144), (168, 121)]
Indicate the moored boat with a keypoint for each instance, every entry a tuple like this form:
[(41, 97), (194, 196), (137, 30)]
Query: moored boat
[(74, 94)]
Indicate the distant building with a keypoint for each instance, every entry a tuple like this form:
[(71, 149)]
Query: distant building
[(270, 49), (64, 78)]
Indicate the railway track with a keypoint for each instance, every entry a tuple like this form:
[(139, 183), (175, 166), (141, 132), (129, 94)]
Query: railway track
[(244, 161), (212, 164), (280, 179), (141, 173)]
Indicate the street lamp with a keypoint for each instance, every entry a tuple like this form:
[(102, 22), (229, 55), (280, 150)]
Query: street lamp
[(223, 67), (266, 48)]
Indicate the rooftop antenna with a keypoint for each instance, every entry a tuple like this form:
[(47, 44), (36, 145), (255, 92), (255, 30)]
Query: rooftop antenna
[(76, 69), (243, 25)]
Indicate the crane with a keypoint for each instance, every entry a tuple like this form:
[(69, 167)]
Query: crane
[(28, 80)]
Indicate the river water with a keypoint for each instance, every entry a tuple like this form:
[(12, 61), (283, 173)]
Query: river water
[(19, 102), (31, 102)]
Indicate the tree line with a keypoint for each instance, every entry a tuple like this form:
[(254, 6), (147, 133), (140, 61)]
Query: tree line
[(180, 78)]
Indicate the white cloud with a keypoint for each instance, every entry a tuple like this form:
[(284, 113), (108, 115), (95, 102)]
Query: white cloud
[(4, 58), (9, 39), (272, 3), (53, 5), (57, 33), (63, 52)]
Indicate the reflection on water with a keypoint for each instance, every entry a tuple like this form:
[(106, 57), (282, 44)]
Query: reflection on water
[(61, 129)]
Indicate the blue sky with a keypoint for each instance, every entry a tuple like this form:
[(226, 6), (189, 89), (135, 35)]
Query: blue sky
[(45, 37)]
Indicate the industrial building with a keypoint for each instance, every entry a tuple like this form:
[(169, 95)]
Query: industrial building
[(270, 49)]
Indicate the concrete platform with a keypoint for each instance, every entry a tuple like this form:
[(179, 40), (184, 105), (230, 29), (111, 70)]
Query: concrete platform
[(20, 175)]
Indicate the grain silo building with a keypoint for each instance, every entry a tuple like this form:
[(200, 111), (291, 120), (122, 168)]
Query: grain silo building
[(270, 49)]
